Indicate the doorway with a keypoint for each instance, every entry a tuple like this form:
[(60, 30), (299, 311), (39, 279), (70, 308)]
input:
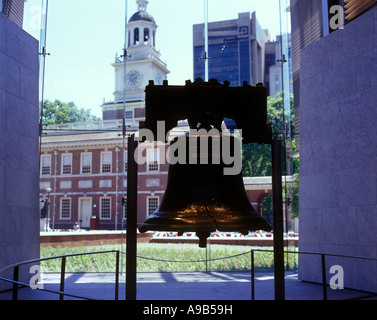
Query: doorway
[(85, 212)]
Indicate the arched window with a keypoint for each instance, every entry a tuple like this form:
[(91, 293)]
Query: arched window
[(146, 35), (154, 38), (129, 38), (136, 36)]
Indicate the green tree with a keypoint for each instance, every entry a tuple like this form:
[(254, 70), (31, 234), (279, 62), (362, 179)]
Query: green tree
[(61, 112), (256, 158)]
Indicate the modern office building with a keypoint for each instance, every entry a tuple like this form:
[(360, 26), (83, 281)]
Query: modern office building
[(236, 50), (273, 78), (240, 50)]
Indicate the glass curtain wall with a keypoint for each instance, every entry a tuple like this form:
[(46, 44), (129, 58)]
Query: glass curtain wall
[(92, 80)]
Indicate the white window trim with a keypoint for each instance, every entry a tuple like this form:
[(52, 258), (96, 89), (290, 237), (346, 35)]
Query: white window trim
[(91, 162), (61, 207), (111, 162), (62, 163), (100, 208), (157, 151), (158, 203), (42, 157)]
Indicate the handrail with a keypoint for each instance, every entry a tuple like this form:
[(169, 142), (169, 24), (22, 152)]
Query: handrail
[(46, 290), (323, 267), (194, 261), (61, 292), (53, 257)]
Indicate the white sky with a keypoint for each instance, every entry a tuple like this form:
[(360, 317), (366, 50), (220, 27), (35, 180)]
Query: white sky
[(84, 36)]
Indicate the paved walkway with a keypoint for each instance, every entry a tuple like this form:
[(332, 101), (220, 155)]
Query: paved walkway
[(180, 286)]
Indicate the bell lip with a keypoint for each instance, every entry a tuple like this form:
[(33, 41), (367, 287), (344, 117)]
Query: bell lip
[(253, 222), (151, 227)]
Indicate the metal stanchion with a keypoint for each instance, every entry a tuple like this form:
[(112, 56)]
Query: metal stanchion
[(278, 220), (131, 245)]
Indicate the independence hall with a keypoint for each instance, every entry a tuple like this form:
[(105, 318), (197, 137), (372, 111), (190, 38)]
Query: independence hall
[(82, 164)]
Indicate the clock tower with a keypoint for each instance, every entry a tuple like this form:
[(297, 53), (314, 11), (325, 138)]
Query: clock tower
[(143, 63)]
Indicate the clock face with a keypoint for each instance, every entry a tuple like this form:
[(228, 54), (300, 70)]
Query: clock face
[(133, 78)]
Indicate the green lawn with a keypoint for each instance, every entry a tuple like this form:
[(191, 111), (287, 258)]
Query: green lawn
[(190, 257)]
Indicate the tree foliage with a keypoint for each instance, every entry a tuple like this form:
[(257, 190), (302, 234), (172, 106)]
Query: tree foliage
[(256, 158), (57, 112)]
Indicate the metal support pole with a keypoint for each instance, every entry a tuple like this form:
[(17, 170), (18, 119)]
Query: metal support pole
[(62, 277), (131, 244), (117, 275), (16, 272), (278, 228), (252, 276), (324, 285)]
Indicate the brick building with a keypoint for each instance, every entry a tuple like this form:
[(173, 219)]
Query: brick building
[(84, 174), (81, 175), (81, 167)]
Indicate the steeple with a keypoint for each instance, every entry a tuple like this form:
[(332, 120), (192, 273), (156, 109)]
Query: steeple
[(143, 62), (142, 5), (141, 27)]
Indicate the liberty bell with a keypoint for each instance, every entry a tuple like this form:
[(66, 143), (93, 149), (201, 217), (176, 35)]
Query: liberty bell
[(205, 190)]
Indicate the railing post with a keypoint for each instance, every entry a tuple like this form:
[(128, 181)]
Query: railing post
[(278, 225), (15, 285), (117, 276), (131, 243), (62, 277), (252, 276), (324, 285)]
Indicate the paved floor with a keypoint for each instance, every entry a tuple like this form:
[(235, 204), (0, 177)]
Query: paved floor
[(180, 286)]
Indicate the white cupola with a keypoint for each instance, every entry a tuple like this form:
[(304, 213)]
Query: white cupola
[(143, 62), (141, 27)]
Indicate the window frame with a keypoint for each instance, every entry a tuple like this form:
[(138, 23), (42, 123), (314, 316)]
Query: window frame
[(81, 162), (149, 198), (101, 208), (61, 209), (62, 163), (153, 166), (46, 156), (110, 164)]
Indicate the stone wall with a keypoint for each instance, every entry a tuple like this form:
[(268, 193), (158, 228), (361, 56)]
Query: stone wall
[(19, 151), (338, 155)]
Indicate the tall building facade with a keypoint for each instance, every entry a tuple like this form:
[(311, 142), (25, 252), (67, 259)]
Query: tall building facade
[(14, 10), (143, 63), (240, 50), (236, 50), (338, 198), (311, 21), (19, 156), (273, 65), (82, 179), (81, 173)]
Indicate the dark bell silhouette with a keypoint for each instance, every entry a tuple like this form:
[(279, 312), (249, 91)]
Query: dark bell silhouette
[(199, 197)]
